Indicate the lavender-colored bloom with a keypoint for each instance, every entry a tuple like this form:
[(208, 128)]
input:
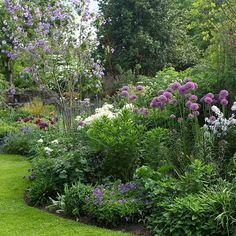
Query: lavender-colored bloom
[(139, 88), (144, 111), (27, 70), (212, 118), (224, 102), (194, 107), (183, 90), (154, 104), (190, 116), (173, 102), (124, 93), (190, 85), (125, 88), (193, 98), (169, 90), (161, 92), (168, 95), (210, 95), (132, 98), (223, 94), (208, 100), (175, 85), (162, 98), (188, 104), (135, 110)]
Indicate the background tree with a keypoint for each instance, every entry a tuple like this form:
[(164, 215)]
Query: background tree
[(144, 35)]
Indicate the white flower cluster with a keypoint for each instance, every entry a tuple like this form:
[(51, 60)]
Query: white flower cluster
[(48, 150), (106, 110), (219, 125)]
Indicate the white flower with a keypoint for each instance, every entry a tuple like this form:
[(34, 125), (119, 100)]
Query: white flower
[(40, 141), (78, 118), (233, 108), (55, 141), (128, 106), (48, 150), (216, 110)]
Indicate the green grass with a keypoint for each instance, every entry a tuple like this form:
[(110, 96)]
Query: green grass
[(16, 218)]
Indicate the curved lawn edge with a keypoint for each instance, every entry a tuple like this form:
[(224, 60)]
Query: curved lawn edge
[(17, 218)]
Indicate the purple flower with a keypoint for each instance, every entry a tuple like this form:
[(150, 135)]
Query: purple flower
[(27, 70), (194, 107), (161, 92), (190, 116), (188, 104), (132, 98), (124, 93), (162, 98), (139, 88), (175, 85), (208, 100), (144, 111), (173, 102), (224, 102), (135, 110), (210, 95), (223, 94), (125, 88), (168, 95), (193, 98), (190, 85), (169, 90), (212, 119), (183, 90)]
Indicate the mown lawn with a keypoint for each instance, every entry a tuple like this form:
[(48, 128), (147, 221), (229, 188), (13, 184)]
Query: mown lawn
[(16, 218)]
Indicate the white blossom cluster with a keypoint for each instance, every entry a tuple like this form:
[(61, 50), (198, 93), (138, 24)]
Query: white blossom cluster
[(107, 110), (220, 124)]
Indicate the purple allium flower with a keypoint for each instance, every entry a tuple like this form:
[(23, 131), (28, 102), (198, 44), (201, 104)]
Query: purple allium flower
[(193, 98), (161, 92), (132, 98), (162, 98), (175, 85), (208, 100), (170, 90), (188, 104), (125, 88), (81, 123), (190, 116), (124, 93), (190, 85), (172, 116), (223, 94), (173, 102), (194, 107), (154, 104), (187, 79), (168, 95), (210, 95), (183, 90), (224, 102), (212, 118), (139, 88)]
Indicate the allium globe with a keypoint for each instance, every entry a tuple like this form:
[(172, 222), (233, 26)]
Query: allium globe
[(194, 107), (224, 102), (175, 85)]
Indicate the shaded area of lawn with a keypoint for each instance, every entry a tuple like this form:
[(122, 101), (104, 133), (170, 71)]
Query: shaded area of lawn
[(16, 218)]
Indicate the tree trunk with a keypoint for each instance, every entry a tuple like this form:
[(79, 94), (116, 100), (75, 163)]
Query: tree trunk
[(9, 73)]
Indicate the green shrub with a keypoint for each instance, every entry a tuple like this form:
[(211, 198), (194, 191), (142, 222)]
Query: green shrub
[(156, 147), (207, 213), (73, 200), (117, 141)]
